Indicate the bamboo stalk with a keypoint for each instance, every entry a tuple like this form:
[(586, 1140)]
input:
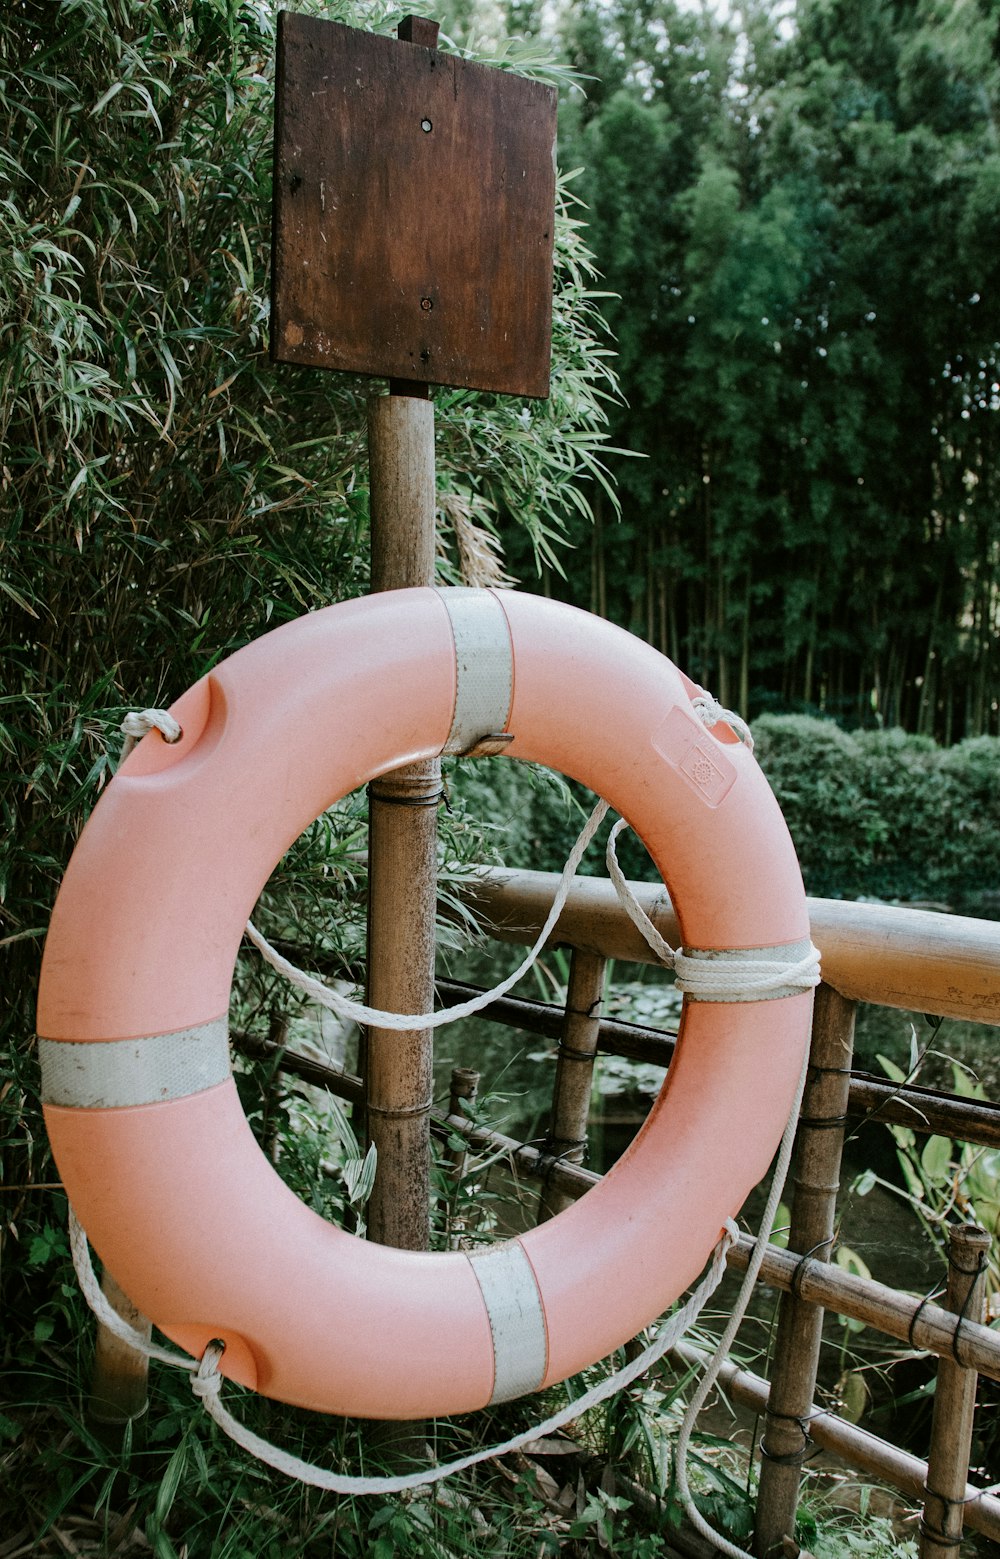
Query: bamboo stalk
[(944, 1511), (118, 1387), (857, 1447), (909, 958), (819, 1147), (566, 1141), (402, 849)]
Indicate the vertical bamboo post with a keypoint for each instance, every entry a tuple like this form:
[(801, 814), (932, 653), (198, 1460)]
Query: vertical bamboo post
[(118, 1387), (464, 1088), (800, 1325), (567, 1135), (954, 1402), (402, 846)]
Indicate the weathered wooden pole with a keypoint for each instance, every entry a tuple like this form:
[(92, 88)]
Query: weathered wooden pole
[(118, 1386), (785, 1442), (402, 856), (954, 1402), (571, 1090)]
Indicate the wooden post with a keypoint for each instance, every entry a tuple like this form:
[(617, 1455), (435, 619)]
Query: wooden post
[(796, 1351), (464, 1088), (567, 1135), (118, 1389), (402, 847), (954, 1402)]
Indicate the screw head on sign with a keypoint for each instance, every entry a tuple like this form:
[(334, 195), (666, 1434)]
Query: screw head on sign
[(426, 304), (426, 126)]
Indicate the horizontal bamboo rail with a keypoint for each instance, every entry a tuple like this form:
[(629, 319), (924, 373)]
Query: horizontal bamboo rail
[(914, 959), (924, 1110), (915, 1321)]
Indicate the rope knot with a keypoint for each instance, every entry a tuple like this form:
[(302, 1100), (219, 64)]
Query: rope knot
[(206, 1382), (139, 722)]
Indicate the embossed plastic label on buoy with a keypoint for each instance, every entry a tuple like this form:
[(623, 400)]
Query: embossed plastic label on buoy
[(687, 746)]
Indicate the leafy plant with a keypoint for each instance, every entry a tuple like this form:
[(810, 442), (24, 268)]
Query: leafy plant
[(946, 1182)]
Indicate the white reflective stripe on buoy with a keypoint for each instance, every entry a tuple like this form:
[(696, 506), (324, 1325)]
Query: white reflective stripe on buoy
[(484, 664), (517, 1319), (116, 1073)]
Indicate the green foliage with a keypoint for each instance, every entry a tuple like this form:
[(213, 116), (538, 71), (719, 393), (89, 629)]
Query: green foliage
[(873, 814), (879, 814), (946, 1182), (796, 222)]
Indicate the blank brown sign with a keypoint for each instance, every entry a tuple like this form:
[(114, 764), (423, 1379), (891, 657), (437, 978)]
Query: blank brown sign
[(413, 212)]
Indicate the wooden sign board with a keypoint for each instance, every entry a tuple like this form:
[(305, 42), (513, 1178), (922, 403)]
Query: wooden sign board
[(413, 211)]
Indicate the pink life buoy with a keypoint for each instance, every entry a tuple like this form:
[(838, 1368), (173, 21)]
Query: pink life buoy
[(143, 1116)]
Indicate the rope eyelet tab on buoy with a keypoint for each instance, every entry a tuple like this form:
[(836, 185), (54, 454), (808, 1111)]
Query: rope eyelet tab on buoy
[(151, 1141)]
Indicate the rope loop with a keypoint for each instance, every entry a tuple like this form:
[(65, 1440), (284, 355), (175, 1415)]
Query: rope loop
[(710, 712), (722, 976), (373, 1017), (139, 722)]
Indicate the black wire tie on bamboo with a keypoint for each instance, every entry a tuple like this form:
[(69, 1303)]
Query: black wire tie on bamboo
[(549, 1160), (575, 1055), (823, 1123), (972, 1272), (795, 1282), (937, 1534), (406, 801), (935, 1293), (788, 1458), (400, 1115)]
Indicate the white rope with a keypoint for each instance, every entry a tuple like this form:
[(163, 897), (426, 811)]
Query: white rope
[(139, 722), (725, 1342), (719, 977), (372, 1017), (710, 712), (105, 1311), (206, 1382)]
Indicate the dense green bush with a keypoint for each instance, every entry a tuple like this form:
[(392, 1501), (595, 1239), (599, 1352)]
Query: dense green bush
[(884, 815)]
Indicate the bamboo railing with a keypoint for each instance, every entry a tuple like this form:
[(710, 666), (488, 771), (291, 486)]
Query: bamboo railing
[(941, 965)]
